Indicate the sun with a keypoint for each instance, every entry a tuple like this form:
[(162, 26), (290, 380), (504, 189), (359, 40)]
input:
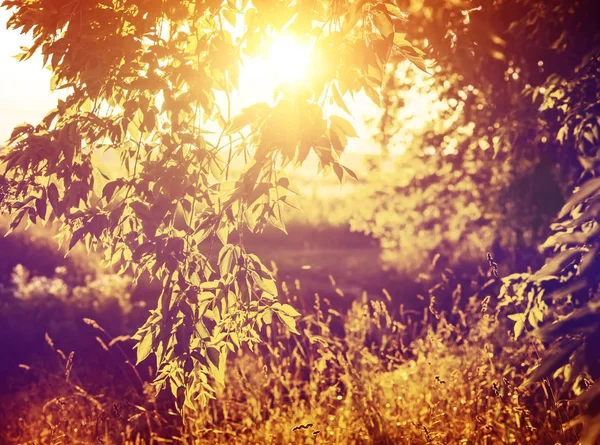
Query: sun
[(289, 59), (285, 60)]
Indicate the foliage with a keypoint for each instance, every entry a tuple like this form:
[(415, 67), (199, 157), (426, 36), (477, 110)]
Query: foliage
[(488, 166), (148, 81), (562, 304)]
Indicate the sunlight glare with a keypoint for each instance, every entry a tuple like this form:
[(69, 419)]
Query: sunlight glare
[(289, 59), (286, 61)]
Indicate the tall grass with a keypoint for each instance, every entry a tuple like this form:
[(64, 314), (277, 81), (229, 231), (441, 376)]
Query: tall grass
[(378, 374)]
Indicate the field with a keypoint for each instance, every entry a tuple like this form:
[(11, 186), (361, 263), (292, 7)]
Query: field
[(370, 366)]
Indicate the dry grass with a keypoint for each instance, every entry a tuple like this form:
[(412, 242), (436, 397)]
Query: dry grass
[(378, 374)]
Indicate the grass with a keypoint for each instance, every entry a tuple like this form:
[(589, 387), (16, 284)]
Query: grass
[(377, 373)]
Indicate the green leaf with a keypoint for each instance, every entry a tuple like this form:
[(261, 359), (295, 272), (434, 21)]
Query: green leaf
[(140, 209), (395, 11), (142, 250), (217, 362), (412, 53), (144, 347), (16, 219), (250, 219), (400, 39), (20, 130), (79, 233), (40, 206), (268, 316), (223, 232), (372, 94), (343, 125), (562, 134), (337, 97), (226, 259), (110, 188), (352, 17), (246, 117), (285, 309), (580, 321), (53, 198), (278, 223), (383, 23), (588, 189), (416, 60), (519, 320), (558, 263), (230, 16), (575, 285), (288, 321), (213, 355), (351, 173), (266, 284), (557, 357), (336, 141), (338, 170), (201, 329)]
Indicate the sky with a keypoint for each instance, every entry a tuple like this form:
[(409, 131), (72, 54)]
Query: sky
[(24, 86)]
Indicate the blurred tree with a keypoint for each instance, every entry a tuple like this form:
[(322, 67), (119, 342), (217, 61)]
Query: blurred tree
[(146, 80), (489, 166)]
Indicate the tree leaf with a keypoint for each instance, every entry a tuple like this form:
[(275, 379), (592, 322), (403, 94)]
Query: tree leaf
[(79, 233), (213, 355), (40, 206), (289, 322), (352, 16), (383, 23), (286, 309), (372, 94), (395, 11), (337, 97), (246, 117), (351, 173), (580, 321), (339, 172), (226, 259), (110, 188), (400, 39), (557, 357), (519, 320), (558, 263), (53, 198), (223, 232), (144, 347), (588, 189), (343, 125), (266, 284)]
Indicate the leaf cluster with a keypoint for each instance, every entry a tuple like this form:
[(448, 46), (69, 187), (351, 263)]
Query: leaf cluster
[(146, 83)]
